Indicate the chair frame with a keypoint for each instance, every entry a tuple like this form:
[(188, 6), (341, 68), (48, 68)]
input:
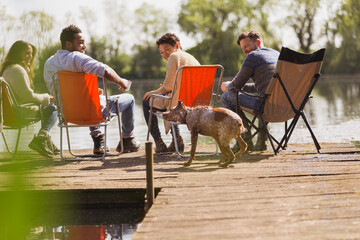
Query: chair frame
[(29, 120), (64, 124), (213, 99), (299, 112)]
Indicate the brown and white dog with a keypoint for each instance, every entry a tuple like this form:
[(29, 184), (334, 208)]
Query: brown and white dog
[(220, 123)]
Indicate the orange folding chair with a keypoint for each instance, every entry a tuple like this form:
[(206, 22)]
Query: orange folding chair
[(14, 116), (78, 101), (194, 86)]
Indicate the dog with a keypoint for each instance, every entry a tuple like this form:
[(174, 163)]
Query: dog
[(220, 123)]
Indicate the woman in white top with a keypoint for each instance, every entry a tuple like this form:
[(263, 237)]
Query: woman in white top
[(17, 70)]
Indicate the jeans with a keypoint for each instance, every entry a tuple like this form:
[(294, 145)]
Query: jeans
[(154, 130), (49, 116), (229, 101), (126, 107)]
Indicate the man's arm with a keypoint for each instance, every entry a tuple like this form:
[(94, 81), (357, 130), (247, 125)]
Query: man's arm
[(112, 76)]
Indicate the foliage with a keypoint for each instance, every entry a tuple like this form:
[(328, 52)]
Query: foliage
[(216, 24), (346, 57), (37, 25), (301, 19)]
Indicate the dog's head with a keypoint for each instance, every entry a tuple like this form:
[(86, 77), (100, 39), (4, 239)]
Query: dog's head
[(177, 114)]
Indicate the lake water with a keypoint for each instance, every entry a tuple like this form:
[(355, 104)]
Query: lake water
[(333, 113)]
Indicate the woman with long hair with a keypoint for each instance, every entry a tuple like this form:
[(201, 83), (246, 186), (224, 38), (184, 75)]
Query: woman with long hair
[(17, 70)]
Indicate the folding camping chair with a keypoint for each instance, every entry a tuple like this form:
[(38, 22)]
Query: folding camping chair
[(194, 86), (14, 116), (289, 90), (78, 101)]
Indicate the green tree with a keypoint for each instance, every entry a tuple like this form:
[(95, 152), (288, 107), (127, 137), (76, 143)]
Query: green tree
[(344, 58), (36, 27), (152, 23), (6, 24), (216, 23), (301, 19)]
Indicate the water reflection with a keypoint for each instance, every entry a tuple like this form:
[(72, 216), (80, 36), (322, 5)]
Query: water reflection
[(81, 232), (333, 113)]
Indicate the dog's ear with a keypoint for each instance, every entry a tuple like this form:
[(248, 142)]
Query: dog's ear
[(180, 103)]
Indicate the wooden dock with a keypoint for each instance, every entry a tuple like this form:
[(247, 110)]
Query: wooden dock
[(298, 194)]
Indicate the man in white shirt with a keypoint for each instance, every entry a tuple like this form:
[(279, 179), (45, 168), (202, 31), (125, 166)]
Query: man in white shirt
[(72, 58)]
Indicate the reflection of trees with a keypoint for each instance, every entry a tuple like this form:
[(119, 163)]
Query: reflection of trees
[(343, 90)]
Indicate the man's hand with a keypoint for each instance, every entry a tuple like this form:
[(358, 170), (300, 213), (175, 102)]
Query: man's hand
[(147, 95), (52, 99), (224, 85), (100, 91), (126, 84)]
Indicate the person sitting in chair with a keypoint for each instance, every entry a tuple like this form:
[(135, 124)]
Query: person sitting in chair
[(259, 65), (170, 49), (72, 58), (17, 70)]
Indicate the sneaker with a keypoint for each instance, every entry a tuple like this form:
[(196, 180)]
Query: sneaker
[(130, 145), (99, 144), (40, 144)]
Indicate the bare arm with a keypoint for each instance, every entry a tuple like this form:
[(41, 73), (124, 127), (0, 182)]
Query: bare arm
[(160, 90), (112, 76)]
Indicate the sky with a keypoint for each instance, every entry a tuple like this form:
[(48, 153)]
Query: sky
[(59, 8)]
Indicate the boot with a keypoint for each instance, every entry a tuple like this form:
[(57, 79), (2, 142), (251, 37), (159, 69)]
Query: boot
[(247, 138), (99, 144), (260, 144), (180, 144), (160, 146), (40, 144), (130, 145)]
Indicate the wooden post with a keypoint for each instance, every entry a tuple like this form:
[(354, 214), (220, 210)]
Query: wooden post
[(150, 195)]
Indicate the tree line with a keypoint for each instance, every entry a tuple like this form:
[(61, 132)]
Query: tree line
[(213, 24)]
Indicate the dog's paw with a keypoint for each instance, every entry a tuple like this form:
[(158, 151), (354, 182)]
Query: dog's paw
[(224, 164)]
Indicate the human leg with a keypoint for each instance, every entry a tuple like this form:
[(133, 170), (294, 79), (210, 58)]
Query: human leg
[(160, 146), (229, 101), (126, 104), (178, 139), (42, 142)]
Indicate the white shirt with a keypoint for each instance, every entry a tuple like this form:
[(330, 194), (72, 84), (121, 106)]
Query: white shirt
[(75, 61)]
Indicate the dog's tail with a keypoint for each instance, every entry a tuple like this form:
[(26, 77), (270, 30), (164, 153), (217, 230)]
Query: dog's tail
[(243, 146)]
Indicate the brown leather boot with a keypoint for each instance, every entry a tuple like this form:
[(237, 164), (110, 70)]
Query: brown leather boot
[(260, 144), (180, 144), (160, 146)]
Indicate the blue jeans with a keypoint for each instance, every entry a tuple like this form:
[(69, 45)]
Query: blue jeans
[(49, 116), (126, 107), (229, 101), (154, 130)]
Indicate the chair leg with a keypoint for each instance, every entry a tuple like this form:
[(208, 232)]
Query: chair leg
[(13, 153), (317, 145), (119, 125)]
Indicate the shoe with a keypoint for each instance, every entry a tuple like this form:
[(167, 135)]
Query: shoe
[(99, 144), (40, 144), (180, 144), (260, 144), (52, 146), (160, 146), (130, 145)]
